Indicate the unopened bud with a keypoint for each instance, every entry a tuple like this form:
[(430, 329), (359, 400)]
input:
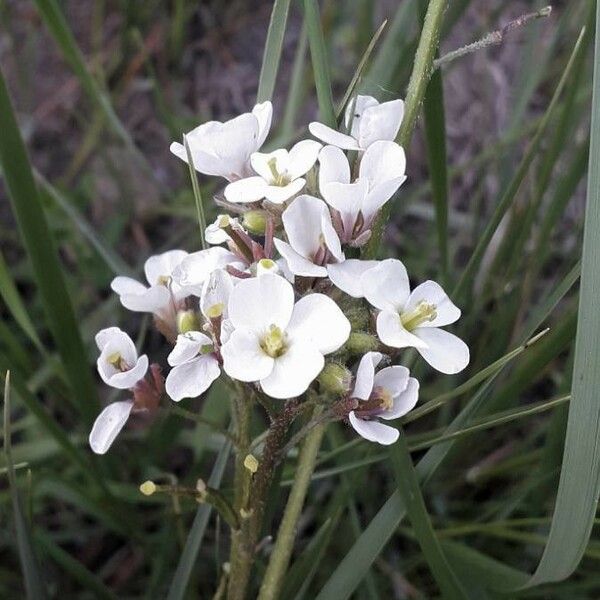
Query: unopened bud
[(200, 486), (361, 342), (187, 320), (335, 379), (358, 316), (148, 488), (255, 221), (251, 463)]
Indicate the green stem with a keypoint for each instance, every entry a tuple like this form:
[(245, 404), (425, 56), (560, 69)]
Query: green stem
[(282, 551), (417, 85)]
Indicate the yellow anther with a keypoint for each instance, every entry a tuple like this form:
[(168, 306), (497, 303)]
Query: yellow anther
[(251, 463), (215, 311), (148, 488), (224, 221), (423, 312), (273, 342), (164, 280)]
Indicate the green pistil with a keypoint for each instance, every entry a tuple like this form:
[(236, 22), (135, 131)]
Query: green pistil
[(423, 313), (279, 179), (273, 343)]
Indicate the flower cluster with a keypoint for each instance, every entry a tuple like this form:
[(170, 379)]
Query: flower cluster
[(281, 300)]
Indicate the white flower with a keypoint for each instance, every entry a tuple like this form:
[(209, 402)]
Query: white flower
[(195, 366), (368, 121), (312, 239), (108, 425), (388, 394), (414, 319), (193, 271), (215, 233), (347, 275), (163, 294), (276, 342), (215, 294), (224, 149), (118, 363), (380, 174), (280, 174)]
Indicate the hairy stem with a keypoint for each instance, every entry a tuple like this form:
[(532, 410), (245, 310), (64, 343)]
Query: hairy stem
[(282, 551), (417, 85)]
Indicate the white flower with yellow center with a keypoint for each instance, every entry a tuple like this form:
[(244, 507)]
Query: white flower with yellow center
[(413, 319), (118, 364), (387, 394), (277, 342), (163, 293), (224, 149), (279, 174), (367, 121), (215, 233)]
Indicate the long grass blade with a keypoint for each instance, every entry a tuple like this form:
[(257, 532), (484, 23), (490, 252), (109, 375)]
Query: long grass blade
[(42, 253), (34, 583), (197, 194), (320, 62), (273, 47)]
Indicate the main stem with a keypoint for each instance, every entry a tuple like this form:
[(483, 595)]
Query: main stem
[(417, 85), (282, 551)]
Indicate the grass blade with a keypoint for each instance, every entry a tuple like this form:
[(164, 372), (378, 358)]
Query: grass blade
[(182, 574), (320, 62), (272, 54), (44, 260), (197, 195), (410, 492), (34, 584)]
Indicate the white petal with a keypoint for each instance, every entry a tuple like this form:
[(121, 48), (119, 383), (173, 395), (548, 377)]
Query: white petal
[(331, 136), (216, 290), (355, 109), (379, 195), (347, 275), (250, 189), (432, 292), (386, 286), (373, 430), (302, 158), (293, 371), (347, 198), (317, 320), (330, 237), (215, 234), (110, 334), (151, 300), (195, 268), (383, 160), (392, 379), (380, 122), (126, 285), (108, 425), (263, 113), (243, 358), (192, 378), (161, 266), (114, 340), (302, 223), (445, 352), (279, 194), (404, 402), (296, 263), (187, 347), (123, 380), (260, 162), (259, 302), (333, 166), (203, 162), (391, 332), (365, 374)]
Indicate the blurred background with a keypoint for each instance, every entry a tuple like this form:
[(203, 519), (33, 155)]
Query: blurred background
[(113, 195)]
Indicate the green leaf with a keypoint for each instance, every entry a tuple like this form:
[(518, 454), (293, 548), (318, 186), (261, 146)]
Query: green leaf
[(196, 535), (410, 492), (320, 62), (34, 583), (44, 259), (272, 54)]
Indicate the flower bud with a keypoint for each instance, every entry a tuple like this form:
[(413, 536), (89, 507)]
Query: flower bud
[(266, 265), (251, 463), (148, 488), (357, 315), (187, 320), (255, 221), (335, 379), (361, 342)]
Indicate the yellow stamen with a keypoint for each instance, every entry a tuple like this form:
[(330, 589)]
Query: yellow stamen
[(215, 311), (423, 312), (273, 342)]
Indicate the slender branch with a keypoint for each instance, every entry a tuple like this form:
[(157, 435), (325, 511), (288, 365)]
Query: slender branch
[(494, 38), (282, 551), (417, 85)]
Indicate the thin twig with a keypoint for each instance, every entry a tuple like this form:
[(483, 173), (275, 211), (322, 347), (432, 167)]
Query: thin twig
[(494, 38)]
